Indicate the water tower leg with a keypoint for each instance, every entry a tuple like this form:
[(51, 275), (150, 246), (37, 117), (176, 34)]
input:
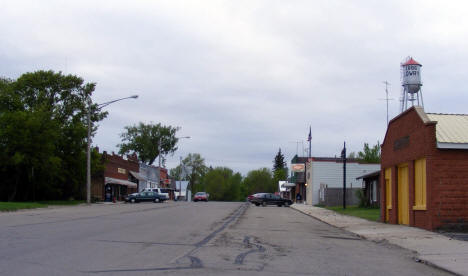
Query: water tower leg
[(422, 102)]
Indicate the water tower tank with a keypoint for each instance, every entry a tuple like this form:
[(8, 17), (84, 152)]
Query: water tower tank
[(411, 75)]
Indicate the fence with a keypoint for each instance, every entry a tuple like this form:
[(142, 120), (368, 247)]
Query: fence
[(334, 196)]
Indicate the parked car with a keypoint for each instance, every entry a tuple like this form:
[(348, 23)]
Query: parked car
[(250, 197), (161, 191), (270, 199), (145, 196), (200, 196)]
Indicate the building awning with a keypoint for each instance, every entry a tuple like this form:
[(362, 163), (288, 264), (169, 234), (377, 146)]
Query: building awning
[(137, 175), (111, 180), (288, 185), (369, 175)]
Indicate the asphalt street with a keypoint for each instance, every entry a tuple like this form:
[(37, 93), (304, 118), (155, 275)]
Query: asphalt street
[(186, 238)]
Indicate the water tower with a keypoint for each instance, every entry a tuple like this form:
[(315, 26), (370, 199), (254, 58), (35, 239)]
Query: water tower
[(411, 83)]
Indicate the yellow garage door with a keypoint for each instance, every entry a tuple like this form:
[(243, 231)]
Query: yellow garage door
[(388, 192), (403, 194)]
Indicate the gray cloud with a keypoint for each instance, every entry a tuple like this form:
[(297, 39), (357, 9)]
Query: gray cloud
[(245, 78)]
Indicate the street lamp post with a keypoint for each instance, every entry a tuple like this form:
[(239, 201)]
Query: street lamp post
[(180, 175), (88, 150), (180, 179)]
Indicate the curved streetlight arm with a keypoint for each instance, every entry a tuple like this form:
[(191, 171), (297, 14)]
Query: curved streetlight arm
[(88, 150), (111, 102)]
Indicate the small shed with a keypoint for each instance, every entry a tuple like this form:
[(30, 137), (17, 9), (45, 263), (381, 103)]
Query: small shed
[(424, 175), (371, 188)]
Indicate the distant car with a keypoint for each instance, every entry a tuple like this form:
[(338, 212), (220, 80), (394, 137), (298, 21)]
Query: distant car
[(251, 197), (200, 196), (270, 199), (145, 196)]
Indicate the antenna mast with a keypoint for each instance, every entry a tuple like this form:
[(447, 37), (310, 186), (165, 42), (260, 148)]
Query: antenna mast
[(386, 96)]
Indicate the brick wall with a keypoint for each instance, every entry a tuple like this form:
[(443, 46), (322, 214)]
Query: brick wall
[(407, 139), (116, 166), (449, 177), (115, 162)]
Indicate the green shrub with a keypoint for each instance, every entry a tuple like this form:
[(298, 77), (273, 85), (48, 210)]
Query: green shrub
[(363, 202)]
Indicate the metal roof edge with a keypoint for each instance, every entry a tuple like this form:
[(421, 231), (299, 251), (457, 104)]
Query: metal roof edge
[(369, 174), (441, 145), (137, 175)]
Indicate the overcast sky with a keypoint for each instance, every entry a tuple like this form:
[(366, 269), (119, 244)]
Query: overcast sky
[(245, 78)]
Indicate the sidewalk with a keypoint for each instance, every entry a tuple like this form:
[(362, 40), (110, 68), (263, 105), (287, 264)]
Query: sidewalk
[(432, 248)]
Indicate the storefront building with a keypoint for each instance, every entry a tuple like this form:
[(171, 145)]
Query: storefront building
[(424, 174), (118, 179), (298, 169)]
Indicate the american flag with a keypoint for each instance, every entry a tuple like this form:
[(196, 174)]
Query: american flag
[(309, 138)]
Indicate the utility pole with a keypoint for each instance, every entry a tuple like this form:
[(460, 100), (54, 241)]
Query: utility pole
[(159, 162), (88, 155), (297, 146), (181, 170), (343, 156), (180, 179)]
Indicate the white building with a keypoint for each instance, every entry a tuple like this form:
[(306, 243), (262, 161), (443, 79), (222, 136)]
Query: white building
[(148, 177), (182, 190), (328, 171)]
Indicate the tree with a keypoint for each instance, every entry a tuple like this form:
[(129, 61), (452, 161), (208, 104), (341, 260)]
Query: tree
[(260, 181), (370, 155), (43, 130), (193, 169), (280, 175), (222, 184), (280, 171), (148, 141), (278, 163)]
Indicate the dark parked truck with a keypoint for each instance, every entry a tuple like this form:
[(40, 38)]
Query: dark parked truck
[(265, 199), (145, 196)]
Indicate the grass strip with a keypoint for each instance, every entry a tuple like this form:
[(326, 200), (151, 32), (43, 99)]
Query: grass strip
[(62, 202), (14, 206), (372, 214)]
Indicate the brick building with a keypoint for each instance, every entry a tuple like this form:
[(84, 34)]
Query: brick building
[(424, 174), (118, 178)]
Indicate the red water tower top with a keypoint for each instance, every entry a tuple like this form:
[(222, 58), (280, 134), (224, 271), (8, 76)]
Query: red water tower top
[(411, 61)]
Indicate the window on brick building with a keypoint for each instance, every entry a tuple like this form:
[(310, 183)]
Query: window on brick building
[(420, 184)]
